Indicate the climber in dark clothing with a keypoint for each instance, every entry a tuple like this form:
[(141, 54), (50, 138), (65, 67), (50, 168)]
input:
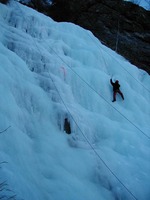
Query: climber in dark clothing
[(116, 89)]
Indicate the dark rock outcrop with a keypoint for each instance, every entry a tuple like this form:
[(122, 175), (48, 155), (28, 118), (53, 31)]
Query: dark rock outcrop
[(4, 1), (120, 25)]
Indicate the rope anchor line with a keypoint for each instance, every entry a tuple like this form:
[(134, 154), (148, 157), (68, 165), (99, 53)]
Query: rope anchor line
[(77, 123), (5, 129)]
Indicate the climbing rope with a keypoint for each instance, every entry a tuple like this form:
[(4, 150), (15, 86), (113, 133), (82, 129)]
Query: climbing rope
[(97, 154), (5, 129), (89, 143), (89, 84), (101, 96), (119, 64), (117, 39)]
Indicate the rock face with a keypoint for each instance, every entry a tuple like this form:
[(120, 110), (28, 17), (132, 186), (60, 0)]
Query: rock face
[(122, 26)]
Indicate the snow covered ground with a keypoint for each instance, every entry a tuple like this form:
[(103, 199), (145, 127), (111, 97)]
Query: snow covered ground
[(143, 3), (50, 71)]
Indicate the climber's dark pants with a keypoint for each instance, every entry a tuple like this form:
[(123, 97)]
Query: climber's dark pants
[(115, 93)]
